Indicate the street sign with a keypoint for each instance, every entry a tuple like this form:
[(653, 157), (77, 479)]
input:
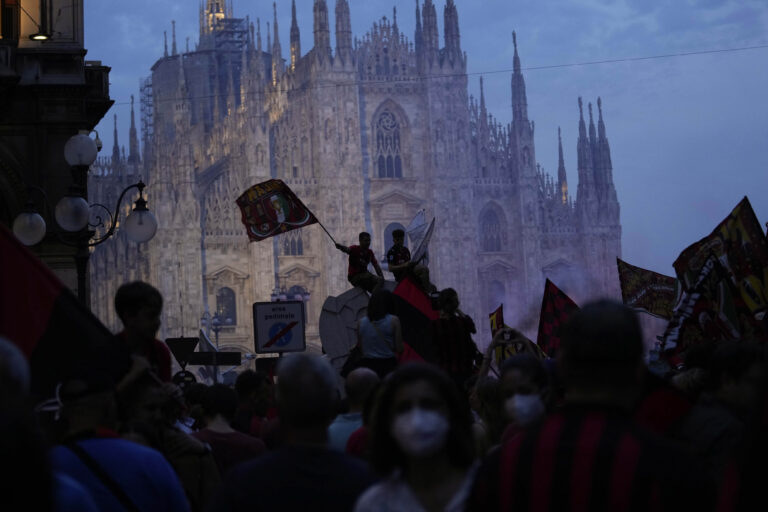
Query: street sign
[(279, 327), (182, 348)]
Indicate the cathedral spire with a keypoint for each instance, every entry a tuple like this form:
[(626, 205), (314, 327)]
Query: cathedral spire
[(115, 145), (322, 31), (519, 99), (562, 179), (165, 43), (431, 35), (419, 35), (605, 169), (585, 191), (295, 37), (482, 95), (133, 139), (277, 58), (452, 37), (483, 114), (173, 37), (394, 20), (600, 124), (343, 28), (592, 136), (258, 37)]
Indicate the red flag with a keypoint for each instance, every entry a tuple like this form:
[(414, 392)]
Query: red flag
[(271, 208), (413, 308), (556, 308), (59, 335)]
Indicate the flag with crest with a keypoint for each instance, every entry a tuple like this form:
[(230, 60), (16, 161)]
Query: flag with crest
[(729, 268), (648, 291), (271, 208)]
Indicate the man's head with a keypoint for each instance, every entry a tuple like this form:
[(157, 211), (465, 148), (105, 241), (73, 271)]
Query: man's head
[(255, 390), (601, 351), (360, 383), (139, 305), (365, 239), (306, 392), (398, 237), (88, 401), (219, 400)]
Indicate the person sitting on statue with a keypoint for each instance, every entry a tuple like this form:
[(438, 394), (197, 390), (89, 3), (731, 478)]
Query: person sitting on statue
[(359, 258), (400, 264)]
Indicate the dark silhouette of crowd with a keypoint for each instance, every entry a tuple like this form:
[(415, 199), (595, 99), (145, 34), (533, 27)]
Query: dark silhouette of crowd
[(590, 429)]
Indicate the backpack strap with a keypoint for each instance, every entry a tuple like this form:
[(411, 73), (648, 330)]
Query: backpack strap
[(103, 476)]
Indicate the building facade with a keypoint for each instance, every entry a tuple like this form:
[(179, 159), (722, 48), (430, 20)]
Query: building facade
[(366, 134), (48, 92)]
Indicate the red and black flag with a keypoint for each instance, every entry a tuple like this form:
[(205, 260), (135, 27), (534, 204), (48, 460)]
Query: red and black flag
[(648, 291), (414, 309), (59, 335), (271, 208), (556, 308)]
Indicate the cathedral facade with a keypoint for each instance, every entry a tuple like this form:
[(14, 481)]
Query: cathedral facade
[(366, 134)]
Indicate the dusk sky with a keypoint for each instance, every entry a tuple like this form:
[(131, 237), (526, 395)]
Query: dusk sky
[(688, 134)]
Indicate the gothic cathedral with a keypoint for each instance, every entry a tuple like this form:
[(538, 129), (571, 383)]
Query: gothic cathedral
[(367, 134)]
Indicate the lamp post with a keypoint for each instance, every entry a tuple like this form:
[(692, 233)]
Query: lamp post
[(216, 326), (72, 212)]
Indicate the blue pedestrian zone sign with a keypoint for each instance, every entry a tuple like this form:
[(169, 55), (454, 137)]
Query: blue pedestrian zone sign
[(279, 327)]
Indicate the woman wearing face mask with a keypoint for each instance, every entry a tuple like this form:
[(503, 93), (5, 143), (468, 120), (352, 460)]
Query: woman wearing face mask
[(524, 388), (421, 440)]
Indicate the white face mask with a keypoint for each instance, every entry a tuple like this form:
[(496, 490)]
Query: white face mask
[(524, 409), (420, 432)]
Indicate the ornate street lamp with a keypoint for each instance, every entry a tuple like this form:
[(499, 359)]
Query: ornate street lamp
[(72, 212)]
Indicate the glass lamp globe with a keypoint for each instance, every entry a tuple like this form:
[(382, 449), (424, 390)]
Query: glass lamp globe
[(72, 213), (29, 228), (80, 149), (141, 225)]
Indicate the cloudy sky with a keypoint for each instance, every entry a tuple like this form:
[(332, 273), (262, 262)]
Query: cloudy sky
[(688, 134)]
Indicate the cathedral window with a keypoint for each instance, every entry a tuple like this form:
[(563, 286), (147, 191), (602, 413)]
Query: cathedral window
[(388, 158), (226, 306), (293, 245), (490, 232)]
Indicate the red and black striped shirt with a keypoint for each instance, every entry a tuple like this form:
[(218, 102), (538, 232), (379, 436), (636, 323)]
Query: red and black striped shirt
[(585, 459)]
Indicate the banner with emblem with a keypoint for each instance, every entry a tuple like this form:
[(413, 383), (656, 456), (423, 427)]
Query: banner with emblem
[(740, 247), (271, 208), (648, 291), (517, 346)]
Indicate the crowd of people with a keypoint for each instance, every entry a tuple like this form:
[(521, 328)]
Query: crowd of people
[(591, 429)]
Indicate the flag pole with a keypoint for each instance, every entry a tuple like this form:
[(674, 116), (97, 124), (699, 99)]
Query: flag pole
[(326, 231)]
